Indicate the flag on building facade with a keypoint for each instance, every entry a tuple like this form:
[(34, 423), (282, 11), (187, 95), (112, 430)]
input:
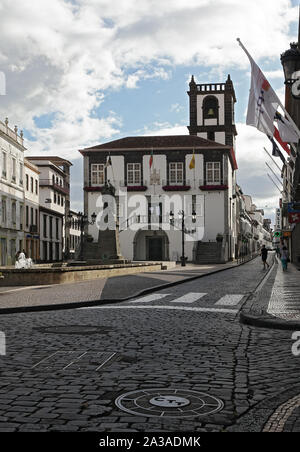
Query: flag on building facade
[(275, 150), (151, 159), (108, 162), (262, 109), (192, 162)]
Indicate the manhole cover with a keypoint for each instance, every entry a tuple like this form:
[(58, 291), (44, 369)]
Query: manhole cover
[(74, 329), (173, 403)]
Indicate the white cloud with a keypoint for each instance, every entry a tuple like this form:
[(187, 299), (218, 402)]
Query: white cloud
[(60, 58)]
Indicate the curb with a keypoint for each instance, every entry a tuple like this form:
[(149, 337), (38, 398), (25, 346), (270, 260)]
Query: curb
[(86, 304), (268, 322), (257, 417)]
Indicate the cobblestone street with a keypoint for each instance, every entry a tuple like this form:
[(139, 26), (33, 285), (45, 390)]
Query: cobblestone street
[(175, 360)]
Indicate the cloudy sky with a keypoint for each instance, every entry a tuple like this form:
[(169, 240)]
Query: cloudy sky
[(83, 72)]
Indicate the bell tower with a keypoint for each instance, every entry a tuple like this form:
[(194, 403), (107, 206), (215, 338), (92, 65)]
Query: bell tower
[(212, 111)]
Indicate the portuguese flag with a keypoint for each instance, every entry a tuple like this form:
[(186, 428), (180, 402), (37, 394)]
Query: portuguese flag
[(151, 159)]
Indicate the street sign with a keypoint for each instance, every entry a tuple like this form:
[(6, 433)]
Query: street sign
[(294, 217), (277, 234), (287, 234)]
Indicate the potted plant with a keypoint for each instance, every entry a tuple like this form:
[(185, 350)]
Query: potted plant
[(219, 237)]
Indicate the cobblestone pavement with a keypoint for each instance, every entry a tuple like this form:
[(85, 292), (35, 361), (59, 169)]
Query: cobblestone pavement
[(180, 361), (285, 297)]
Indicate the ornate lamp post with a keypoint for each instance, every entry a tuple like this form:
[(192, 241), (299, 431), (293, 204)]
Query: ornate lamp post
[(182, 216), (81, 221)]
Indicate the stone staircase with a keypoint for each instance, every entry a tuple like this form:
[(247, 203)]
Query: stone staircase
[(209, 253)]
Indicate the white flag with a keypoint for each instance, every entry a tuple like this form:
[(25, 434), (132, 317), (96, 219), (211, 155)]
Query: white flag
[(262, 108), (286, 129)]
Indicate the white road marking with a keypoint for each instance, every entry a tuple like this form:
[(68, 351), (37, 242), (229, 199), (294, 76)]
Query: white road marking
[(174, 308), (189, 297), (229, 300), (148, 298)]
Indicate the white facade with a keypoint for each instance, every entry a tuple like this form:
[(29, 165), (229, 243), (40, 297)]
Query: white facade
[(74, 233), (52, 200), (144, 212), (31, 210), (11, 193)]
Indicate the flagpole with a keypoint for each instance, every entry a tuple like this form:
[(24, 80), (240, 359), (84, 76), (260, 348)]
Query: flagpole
[(280, 169), (279, 102), (194, 169), (277, 167), (274, 173), (274, 183)]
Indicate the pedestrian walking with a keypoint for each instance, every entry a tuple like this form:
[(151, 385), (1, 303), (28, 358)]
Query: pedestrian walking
[(284, 258), (264, 256)]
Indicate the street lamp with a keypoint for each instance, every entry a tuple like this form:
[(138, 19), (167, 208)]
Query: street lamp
[(81, 220), (181, 216)]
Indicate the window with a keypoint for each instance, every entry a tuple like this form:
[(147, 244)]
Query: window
[(31, 215), (4, 213), (211, 136), (4, 164), (176, 173), (134, 174), (13, 175), (45, 225), (36, 217), (213, 173), (54, 198), (27, 182), (21, 217), (36, 187), (50, 227), (13, 213), (57, 228), (27, 216), (21, 174), (97, 174), (31, 184)]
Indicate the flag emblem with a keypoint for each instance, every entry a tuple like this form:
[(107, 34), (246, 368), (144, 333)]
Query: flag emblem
[(192, 162)]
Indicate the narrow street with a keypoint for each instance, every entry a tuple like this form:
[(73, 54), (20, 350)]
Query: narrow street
[(177, 359)]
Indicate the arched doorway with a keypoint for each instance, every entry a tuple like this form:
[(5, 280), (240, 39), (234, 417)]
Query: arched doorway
[(151, 246)]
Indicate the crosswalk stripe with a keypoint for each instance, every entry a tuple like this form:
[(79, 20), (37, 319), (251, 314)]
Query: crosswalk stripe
[(189, 297), (148, 298), (229, 300)]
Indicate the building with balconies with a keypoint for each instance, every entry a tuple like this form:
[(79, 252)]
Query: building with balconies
[(31, 222), (11, 193), (54, 200)]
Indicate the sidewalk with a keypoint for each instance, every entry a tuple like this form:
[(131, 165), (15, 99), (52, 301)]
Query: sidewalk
[(276, 302), (100, 291)]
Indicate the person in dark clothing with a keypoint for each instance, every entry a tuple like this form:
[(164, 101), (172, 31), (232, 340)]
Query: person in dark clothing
[(264, 256)]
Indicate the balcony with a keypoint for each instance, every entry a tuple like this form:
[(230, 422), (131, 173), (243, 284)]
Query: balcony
[(51, 184)]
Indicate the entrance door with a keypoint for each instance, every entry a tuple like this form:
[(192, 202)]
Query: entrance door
[(155, 249)]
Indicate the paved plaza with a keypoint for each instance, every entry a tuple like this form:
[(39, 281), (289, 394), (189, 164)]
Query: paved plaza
[(172, 360)]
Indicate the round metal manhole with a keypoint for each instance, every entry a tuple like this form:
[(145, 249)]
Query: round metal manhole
[(169, 403), (73, 329)]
